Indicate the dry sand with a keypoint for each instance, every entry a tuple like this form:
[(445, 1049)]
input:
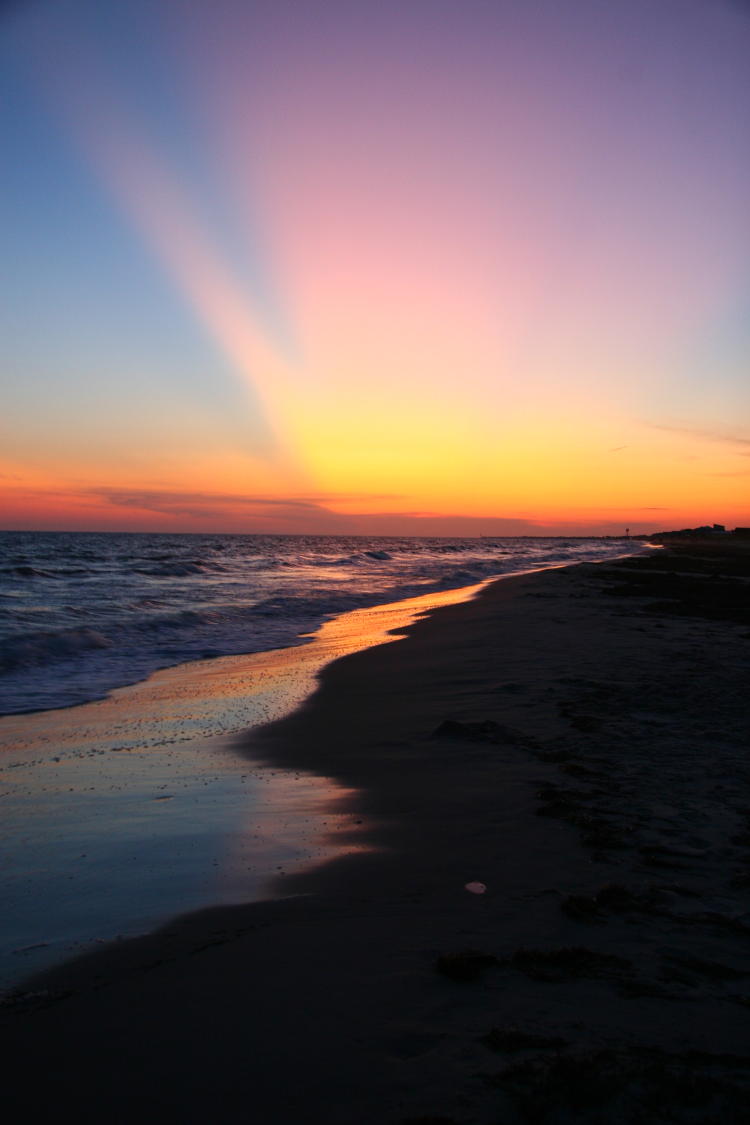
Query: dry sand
[(576, 741)]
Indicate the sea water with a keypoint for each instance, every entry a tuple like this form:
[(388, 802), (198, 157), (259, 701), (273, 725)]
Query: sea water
[(122, 813), (83, 613)]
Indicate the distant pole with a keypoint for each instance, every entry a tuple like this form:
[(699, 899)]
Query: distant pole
[(627, 532)]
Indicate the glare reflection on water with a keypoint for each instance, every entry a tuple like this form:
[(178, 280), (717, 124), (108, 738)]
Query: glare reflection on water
[(122, 813)]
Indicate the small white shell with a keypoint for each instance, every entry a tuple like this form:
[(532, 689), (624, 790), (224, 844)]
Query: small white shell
[(475, 888)]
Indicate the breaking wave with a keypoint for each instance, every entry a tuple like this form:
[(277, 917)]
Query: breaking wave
[(46, 648), (150, 601)]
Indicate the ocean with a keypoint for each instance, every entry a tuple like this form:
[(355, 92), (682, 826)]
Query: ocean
[(84, 613), (123, 814)]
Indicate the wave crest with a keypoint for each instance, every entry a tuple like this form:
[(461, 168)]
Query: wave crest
[(41, 648)]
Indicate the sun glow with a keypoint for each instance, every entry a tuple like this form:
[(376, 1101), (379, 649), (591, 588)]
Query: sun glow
[(440, 287)]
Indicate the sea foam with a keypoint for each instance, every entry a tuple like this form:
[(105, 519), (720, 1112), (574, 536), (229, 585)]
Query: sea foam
[(81, 614)]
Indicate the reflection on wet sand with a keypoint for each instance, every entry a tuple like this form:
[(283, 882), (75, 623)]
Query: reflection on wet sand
[(121, 813)]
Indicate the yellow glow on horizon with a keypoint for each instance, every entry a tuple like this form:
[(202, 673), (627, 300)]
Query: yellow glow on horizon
[(434, 294)]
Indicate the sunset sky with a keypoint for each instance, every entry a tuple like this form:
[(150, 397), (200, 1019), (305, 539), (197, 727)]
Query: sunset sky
[(409, 266)]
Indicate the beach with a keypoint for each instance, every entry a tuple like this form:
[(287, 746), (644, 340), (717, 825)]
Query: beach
[(545, 916), (123, 812)]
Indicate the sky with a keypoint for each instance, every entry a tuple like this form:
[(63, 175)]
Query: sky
[(345, 266)]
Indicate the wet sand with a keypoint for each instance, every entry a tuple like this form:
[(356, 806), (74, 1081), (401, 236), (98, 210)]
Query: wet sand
[(576, 742), (122, 813)]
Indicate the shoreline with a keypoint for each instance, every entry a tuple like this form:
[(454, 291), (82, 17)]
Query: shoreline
[(84, 773), (412, 591), (598, 741), (208, 828)]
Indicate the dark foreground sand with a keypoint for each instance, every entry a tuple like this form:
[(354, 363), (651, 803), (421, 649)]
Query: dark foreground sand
[(592, 772)]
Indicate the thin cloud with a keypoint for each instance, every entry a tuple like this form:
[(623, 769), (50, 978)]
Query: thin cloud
[(705, 434), (312, 510), (149, 497), (157, 499), (204, 505)]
